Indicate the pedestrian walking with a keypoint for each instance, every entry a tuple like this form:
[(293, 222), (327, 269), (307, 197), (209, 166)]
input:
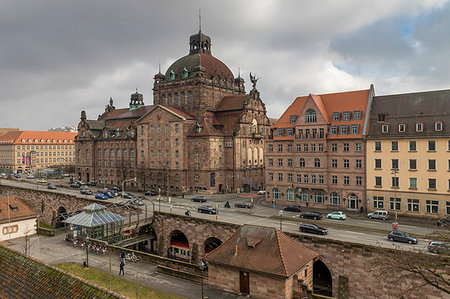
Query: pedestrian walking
[(122, 264), (122, 257)]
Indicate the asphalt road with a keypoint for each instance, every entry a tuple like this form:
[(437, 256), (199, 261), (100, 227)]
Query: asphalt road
[(356, 228)]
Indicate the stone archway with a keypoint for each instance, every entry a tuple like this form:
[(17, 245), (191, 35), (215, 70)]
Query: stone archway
[(210, 244), (151, 244), (322, 279), (179, 246), (62, 215)]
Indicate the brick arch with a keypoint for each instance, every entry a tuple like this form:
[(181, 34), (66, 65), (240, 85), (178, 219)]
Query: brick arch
[(210, 244), (320, 279)]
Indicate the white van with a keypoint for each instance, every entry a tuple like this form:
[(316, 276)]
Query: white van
[(379, 214)]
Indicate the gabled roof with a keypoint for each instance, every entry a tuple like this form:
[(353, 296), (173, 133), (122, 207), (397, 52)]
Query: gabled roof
[(94, 215), (16, 211), (262, 249), (127, 114), (23, 277)]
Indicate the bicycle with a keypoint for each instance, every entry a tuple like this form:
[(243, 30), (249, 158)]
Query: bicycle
[(131, 257)]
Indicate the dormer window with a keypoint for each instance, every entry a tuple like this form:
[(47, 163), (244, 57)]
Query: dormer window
[(385, 128), (381, 117), (280, 132), (357, 115), (344, 130), (346, 115), (310, 116), (293, 119), (402, 127), (336, 116), (171, 75), (438, 126), (333, 130), (185, 73), (419, 127)]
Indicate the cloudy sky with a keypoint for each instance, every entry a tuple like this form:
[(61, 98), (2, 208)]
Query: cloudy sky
[(60, 57)]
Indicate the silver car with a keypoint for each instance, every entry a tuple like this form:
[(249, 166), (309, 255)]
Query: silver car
[(379, 214)]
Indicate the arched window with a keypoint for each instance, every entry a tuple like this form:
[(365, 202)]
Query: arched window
[(310, 116), (183, 97), (290, 195), (304, 196), (302, 162), (185, 73), (275, 193), (176, 98), (317, 162), (163, 99), (318, 197), (118, 153), (334, 198), (172, 75), (189, 96), (170, 99)]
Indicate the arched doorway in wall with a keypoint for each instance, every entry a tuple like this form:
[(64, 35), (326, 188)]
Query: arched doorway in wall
[(179, 247), (151, 244), (322, 280), (62, 215), (211, 244), (352, 202)]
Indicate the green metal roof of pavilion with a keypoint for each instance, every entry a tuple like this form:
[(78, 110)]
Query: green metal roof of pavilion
[(94, 215)]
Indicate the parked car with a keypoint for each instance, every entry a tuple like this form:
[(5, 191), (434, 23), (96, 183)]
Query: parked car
[(30, 176), (401, 237), (51, 186), (337, 215), (261, 192), (150, 193), (74, 185), (242, 204), (116, 189), (207, 210), (312, 228), (91, 184), (136, 202), (127, 195), (293, 208), (42, 181), (311, 215), (379, 214), (81, 183), (439, 247), (109, 194), (199, 199), (101, 196), (86, 191)]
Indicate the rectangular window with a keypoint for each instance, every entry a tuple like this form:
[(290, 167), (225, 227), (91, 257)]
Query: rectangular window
[(359, 181), (321, 133), (336, 116), (270, 162), (358, 164), (343, 130), (431, 145), (334, 179), (432, 206), (280, 162), (401, 128), (333, 130), (378, 202), (357, 115), (320, 147), (313, 147), (378, 181), (419, 127), (280, 148), (334, 163), (354, 129), (346, 147), (431, 164), (432, 184), (289, 148), (346, 180), (412, 164), (270, 176), (377, 163), (298, 147), (413, 205), (385, 128), (395, 182), (394, 146), (280, 132), (290, 162), (412, 146), (313, 179), (412, 183), (293, 119), (377, 147), (438, 126), (394, 163), (270, 148), (305, 147), (320, 179), (334, 147), (299, 178), (305, 178), (346, 115), (289, 177), (396, 203), (358, 147), (346, 163), (290, 132)]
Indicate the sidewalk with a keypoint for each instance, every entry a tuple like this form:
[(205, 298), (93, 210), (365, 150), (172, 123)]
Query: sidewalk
[(54, 250)]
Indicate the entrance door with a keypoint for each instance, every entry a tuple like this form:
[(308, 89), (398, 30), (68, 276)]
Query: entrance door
[(244, 281), (353, 202), (87, 177)]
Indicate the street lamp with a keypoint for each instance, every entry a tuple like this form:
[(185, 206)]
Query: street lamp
[(281, 219), (202, 266), (395, 185), (123, 185), (87, 251)]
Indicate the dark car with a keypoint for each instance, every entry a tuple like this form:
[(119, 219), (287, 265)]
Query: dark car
[(116, 189), (247, 205), (311, 215), (199, 199), (293, 208), (312, 228), (86, 191), (127, 196), (91, 184), (150, 193), (439, 247), (109, 194), (74, 185), (207, 210), (136, 202), (53, 187), (401, 237)]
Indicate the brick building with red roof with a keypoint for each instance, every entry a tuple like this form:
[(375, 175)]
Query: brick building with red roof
[(315, 155), (202, 131)]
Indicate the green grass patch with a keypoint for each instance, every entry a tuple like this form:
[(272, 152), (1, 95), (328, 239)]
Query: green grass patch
[(118, 284)]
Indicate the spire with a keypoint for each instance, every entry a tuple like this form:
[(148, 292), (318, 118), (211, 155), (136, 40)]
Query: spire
[(200, 43), (199, 20)]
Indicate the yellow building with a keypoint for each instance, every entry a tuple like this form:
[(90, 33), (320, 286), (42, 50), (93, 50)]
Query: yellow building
[(22, 151), (408, 154)]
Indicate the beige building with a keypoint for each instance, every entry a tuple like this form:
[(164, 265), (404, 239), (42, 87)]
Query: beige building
[(408, 154), (16, 219), (22, 151)]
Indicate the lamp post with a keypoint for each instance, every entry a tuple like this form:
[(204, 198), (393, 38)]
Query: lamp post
[(87, 251), (280, 213), (394, 172), (123, 185), (202, 268)]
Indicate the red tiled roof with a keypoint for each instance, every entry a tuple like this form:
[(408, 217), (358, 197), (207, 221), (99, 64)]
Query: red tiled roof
[(41, 137), (262, 249), (18, 210)]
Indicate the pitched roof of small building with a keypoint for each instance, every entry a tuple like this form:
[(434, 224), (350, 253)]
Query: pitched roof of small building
[(426, 107), (262, 249), (23, 277), (16, 211), (94, 215)]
